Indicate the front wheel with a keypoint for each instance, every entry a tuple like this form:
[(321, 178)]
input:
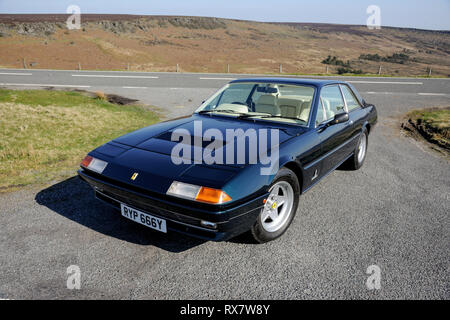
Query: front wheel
[(279, 209)]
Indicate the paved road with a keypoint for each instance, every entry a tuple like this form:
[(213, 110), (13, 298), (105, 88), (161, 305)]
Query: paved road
[(393, 213), (181, 93)]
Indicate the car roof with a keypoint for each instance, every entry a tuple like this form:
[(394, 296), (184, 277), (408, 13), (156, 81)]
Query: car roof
[(294, 81)]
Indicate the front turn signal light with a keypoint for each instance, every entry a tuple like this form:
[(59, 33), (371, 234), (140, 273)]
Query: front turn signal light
[(210, 195), (197, 193)]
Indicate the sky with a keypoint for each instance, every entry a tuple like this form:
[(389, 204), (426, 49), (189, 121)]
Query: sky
[(421, 14)]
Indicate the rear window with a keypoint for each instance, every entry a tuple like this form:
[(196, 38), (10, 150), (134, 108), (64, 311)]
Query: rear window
[(352, 102)]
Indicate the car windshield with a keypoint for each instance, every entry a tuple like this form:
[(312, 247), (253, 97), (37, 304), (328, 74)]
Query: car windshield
[(270, 101)]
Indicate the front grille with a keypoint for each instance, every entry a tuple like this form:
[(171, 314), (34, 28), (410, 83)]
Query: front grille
[(108, 200)]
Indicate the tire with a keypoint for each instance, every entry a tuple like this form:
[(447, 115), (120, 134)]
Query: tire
[(359, 155), (267, 229)]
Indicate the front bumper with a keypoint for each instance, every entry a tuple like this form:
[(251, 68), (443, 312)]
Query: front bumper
[(183, 216)]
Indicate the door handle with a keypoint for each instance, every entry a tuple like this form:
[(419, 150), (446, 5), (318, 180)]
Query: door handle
[(350, 123)]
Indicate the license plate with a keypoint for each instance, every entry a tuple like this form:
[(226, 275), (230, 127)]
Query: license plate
[(143, 218)]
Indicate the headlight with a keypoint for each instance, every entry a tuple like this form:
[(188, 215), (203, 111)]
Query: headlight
[(197, 193), (94, 164)]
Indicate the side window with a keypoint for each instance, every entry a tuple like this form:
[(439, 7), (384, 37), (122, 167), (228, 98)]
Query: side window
[(332, 101), (320, 113), (352, 102)]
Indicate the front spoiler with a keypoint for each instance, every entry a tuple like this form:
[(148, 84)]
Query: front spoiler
[(185, 219)]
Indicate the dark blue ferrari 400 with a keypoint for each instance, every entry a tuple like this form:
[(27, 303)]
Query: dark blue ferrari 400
[(239, 163)]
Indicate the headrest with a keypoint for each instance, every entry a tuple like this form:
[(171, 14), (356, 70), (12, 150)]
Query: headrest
[(306, 104), (267, 99), (289, 102)]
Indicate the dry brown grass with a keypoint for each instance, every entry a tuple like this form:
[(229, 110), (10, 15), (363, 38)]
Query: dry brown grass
[(432, 124), (202, 46), (101, 95)]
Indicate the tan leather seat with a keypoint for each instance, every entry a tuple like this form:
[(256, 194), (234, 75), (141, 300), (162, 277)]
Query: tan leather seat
[(305, 111), (329, 114), (267, 103), (290, 107)]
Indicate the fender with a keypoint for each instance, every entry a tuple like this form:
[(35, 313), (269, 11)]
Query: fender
[(296, 167)]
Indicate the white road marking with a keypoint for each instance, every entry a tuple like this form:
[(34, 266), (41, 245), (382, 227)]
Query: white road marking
[(43, 85), (217, 78), (387, 82), (430, 94), (419, 93), (135, 87), (111, 76), (15, 74), (372, 92)]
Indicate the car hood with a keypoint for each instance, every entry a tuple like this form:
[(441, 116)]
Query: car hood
[(148, 152), (158, 138)]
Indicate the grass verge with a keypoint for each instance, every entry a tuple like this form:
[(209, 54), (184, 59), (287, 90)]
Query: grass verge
[(45, 134), (431, 124)]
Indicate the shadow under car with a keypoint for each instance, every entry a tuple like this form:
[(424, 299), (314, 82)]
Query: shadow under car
[(75, 200)]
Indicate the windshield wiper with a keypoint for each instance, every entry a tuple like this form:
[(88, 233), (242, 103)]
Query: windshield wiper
[(283, 117), (262, 116), (248, 116), (221, 110), (205, 111)]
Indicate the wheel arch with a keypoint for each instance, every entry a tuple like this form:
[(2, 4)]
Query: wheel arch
[(297, 169), (367, 126)]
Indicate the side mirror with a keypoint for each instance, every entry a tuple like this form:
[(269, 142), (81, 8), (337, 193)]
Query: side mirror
[(339, 118)]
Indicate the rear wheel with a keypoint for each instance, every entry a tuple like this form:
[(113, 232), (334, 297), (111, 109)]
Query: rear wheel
[(359, 155), (279, 209)]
